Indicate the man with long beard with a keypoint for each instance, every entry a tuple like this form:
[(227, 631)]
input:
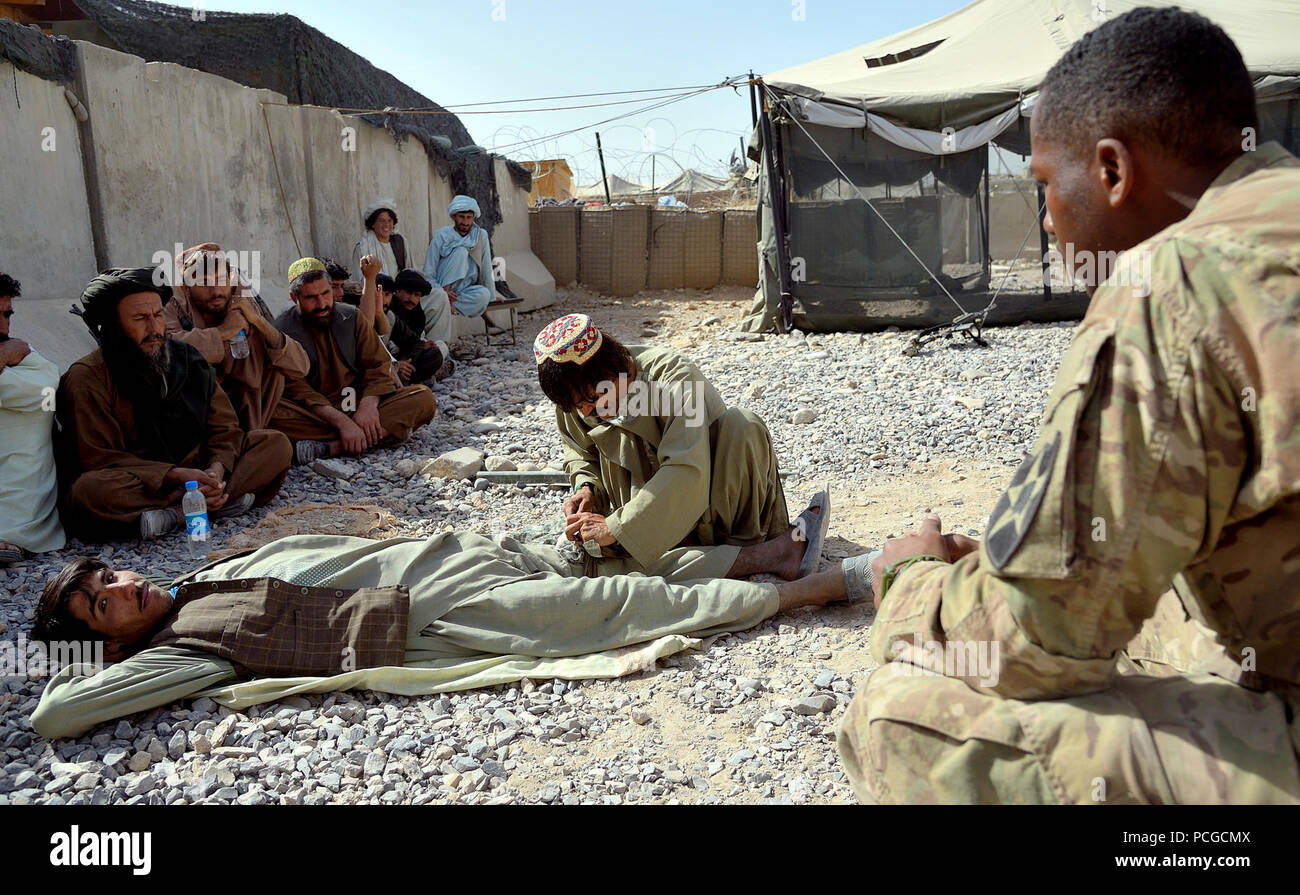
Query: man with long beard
[(210, 308), (143, 414), (348, 401)]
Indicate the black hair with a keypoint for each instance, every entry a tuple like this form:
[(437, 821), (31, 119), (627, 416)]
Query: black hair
[(1163, 76), (336, 271), (374, 216), (568, 384), (9, 286), (54, 620), (385, 282)]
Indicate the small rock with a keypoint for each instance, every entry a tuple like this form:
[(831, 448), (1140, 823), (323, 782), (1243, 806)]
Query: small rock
[(813, 705), (971, 403), (334, 469), (407, 468), (458, 464), (498, 464), (801, 417), (640, 716), (740, 757)]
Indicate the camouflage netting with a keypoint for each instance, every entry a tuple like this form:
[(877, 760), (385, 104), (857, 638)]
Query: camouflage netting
[(54, 59), (280, 53)]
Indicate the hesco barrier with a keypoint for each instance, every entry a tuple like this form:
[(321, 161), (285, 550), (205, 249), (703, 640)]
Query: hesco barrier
[(622, 250)]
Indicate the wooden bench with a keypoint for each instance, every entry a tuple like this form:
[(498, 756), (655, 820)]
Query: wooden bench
[(502, 302)]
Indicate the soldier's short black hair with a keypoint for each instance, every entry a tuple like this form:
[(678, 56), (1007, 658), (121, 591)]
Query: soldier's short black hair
[(1163, 76), (569, 384), (9, 287)]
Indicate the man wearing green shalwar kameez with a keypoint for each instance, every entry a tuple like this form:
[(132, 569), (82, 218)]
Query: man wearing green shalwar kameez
[(318, 613), (658, 461)]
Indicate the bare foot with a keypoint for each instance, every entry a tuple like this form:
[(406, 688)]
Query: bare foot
[(813, 590), (780, 556)]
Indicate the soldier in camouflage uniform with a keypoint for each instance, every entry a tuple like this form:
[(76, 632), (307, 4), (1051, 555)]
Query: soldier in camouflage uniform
[(1169, 455)]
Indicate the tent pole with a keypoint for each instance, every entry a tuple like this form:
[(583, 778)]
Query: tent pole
[(1042, 245), (603, 179), (988, 251), (753, 102), (775, 197)]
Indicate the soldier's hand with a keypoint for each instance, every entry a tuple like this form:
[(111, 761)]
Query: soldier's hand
[(928, 540), (960, 545), (405, 369), (13, 351), (371, 267)]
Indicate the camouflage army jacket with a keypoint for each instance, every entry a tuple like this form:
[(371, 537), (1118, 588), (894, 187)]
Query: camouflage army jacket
[(1169, 454)]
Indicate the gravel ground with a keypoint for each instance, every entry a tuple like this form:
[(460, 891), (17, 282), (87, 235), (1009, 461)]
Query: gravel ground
[(749, 718)]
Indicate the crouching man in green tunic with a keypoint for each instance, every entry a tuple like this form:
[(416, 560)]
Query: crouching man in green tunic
[(318, 613), (658, 461)]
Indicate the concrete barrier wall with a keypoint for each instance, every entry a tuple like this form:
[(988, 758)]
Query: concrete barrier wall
[(45, 237), (174, 155)]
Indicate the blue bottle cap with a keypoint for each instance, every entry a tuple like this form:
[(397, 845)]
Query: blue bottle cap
[(191, 486)]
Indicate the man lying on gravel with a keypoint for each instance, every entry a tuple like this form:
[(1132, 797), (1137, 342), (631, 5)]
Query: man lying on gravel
[(656, 458), (316, 613), (1169, 455)]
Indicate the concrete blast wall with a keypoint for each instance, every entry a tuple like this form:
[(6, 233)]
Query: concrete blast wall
[(45, 237), (177, 156)]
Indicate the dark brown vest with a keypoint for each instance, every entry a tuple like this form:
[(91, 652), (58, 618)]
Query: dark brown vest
[(344, 331), (275, 629)]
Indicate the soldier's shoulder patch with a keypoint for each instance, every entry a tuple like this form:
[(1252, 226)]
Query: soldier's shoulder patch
[(1018, 505)]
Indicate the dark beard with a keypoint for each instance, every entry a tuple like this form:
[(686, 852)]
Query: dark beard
[(318, 323), (141, 377)]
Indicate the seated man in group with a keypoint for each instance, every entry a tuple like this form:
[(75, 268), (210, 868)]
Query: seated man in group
[(459, 265), (420, 357), (209, 308), (143, 414), (1169, 454), (29, 520), (402, 615), (657, 460), (349, 400)]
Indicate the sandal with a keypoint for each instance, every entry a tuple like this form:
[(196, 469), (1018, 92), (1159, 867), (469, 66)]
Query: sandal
[(811, 527), (10, 553)]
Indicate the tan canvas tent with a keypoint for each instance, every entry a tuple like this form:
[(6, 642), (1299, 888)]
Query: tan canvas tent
[(907, 121)]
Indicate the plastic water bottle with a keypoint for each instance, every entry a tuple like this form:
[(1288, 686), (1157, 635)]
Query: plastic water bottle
[(195, 506), (239, 345)]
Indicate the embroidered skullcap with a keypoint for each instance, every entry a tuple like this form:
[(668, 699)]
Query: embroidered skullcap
[(570, 339), (302, 265)]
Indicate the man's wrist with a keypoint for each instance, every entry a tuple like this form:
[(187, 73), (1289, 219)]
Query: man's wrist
[(893, 571)]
